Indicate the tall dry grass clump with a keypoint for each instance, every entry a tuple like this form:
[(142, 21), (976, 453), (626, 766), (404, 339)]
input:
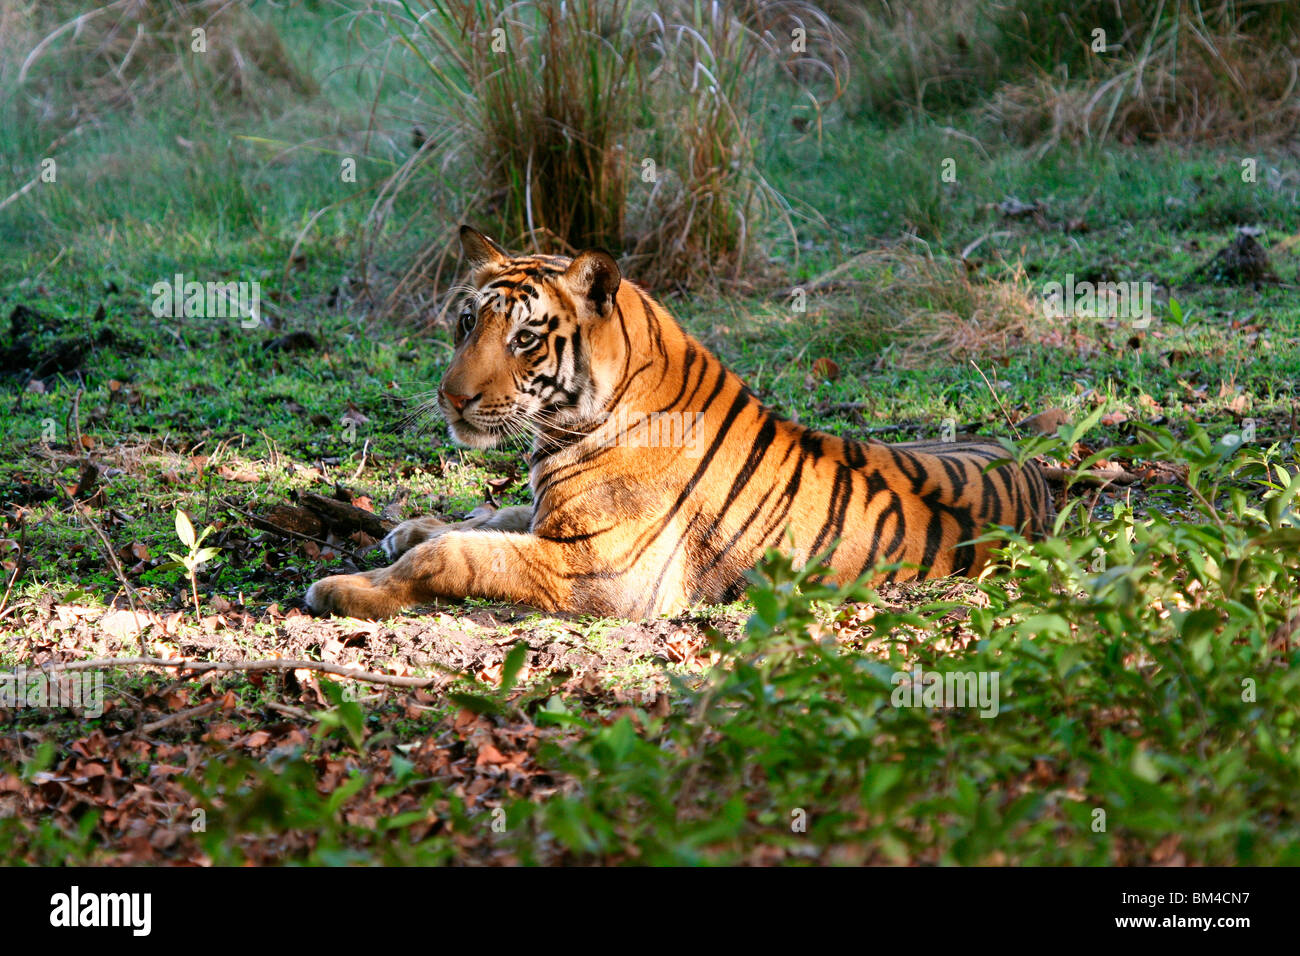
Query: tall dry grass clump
[(628, 124), (922, 55), (1087, 70), (1182, 70), (82, 59)]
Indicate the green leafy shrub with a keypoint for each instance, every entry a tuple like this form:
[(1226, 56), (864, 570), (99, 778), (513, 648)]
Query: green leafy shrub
[(1147, 706)]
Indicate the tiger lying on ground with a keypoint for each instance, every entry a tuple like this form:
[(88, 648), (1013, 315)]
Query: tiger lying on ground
[(658, 477)]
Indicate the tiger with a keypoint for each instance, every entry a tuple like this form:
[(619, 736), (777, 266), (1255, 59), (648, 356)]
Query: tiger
[(658, 478)]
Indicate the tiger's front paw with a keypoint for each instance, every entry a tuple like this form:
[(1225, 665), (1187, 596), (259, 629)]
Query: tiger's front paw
[(410, 533), (352, 595)]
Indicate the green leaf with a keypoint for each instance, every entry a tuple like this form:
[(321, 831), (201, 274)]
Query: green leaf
[(184, 530), (880, 778), (403, 769), (1053, 625), (545, 718), (344, 793), (475, 703), (1144, 768), (620, 738), (346, 713), (1067, 657), (511, 665)]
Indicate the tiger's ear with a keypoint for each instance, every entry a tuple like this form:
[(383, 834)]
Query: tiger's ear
[(479, 250), (593, 279)]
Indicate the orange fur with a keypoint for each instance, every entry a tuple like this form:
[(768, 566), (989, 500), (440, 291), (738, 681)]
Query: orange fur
[(658, 477)]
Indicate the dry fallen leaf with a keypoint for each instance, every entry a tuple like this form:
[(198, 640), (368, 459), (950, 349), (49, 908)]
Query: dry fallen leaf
[(488, 754), (124, 624), (244, 473), (826, 370), (354, 415)]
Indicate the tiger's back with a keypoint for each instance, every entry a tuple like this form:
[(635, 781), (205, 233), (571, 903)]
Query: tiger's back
[(654, 530), (659, 478)]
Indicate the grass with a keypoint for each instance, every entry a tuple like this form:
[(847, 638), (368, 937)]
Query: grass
[(1122, 645), (1093, 71), (547, 120)]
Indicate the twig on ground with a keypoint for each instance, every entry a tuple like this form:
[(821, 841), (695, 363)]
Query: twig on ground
[(279, 664), (180, 715), (288, 532), (826, 277), (19, 192), (288, 710), (341, 514), (73, 424), (971, 247), (18, 564), (362, 467), (997, 399), (129, 591), (57, 142)]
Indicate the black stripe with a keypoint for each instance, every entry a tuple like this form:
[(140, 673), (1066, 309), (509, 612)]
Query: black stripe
[(841, 493), (732, 413), (762, 441), (691, 354)]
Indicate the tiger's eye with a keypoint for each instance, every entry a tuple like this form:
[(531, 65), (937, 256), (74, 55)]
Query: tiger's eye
[(466, 322), (525, 340)]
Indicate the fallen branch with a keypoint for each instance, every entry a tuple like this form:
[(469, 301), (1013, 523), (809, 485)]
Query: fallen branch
[(265, 525), (58, 140), (73, 426), (362, 467), (20, 192), (288, 710), (180, 715), (343, 515), (202, 667), (1116, 476)]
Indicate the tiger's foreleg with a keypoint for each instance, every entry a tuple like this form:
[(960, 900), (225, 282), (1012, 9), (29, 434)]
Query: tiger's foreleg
[(410, 533), (498, 565)]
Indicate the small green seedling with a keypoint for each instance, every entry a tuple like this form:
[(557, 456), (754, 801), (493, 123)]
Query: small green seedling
[(345, 718), (197, 556), (1177, 315), (1182, 318)]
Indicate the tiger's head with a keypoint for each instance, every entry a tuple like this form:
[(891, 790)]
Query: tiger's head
[(524, 343)]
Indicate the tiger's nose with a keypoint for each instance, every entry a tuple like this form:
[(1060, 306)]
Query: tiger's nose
[(458, 402)]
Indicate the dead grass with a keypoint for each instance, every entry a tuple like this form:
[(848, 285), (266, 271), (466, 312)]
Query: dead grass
[(1189, 87), (87, 59), (1214, 71), (931, 310), (922, 54), (622, 124)]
